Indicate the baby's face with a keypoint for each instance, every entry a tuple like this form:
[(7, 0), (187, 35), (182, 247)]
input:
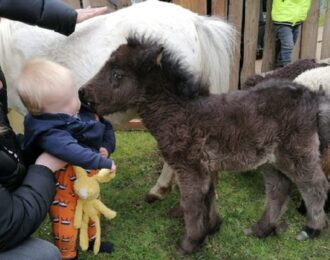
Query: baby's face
[(65, 101)]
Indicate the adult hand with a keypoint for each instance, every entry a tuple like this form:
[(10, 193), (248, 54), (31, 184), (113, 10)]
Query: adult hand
[(86, 13), (53, 163), (104, 152)]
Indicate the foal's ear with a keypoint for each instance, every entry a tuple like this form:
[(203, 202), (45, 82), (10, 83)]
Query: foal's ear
[(159, 56), (153, 56)]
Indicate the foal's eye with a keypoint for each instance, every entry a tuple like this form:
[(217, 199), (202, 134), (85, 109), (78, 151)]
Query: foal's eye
[(115, 76)]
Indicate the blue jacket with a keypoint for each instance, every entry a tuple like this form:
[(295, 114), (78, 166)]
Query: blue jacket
[(73, 140)]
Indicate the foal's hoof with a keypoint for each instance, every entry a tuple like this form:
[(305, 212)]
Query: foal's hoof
[(248, 232), (255, 230), (157, 194), (150, 198), (188, 246), (308, 233)]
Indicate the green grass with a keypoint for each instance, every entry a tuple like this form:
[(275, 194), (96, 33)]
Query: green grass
[(144, 231)]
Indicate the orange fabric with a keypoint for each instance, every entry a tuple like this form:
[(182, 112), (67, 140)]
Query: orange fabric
[(62, 213)]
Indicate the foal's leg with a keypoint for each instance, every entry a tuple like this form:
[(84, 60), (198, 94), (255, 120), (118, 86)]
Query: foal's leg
[(277, 193), (325, 160), (163, 185), (214, 220), (313, 188), (194, 189)]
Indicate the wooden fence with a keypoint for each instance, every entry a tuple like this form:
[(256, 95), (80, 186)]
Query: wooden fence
[(244, 15)]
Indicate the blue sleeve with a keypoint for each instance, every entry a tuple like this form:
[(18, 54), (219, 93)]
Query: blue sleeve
[(49, 14), (63, 146), (109, 139)]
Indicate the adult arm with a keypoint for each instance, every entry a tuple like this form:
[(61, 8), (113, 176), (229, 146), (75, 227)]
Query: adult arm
[(49, 14), (62, 145), (23, 210)]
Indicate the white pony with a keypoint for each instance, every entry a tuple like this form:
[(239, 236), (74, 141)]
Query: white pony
[(203, 44), (316, 78)]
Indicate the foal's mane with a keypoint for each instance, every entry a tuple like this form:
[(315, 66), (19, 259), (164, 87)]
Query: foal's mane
[(172, 65)]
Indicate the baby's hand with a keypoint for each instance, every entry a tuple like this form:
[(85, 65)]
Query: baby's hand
[(113, 167), (104, 152)]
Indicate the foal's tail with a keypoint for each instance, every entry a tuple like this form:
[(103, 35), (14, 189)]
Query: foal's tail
[(217, 40)]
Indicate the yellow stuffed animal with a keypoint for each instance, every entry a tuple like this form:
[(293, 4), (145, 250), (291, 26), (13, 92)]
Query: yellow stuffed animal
[(89, 206)]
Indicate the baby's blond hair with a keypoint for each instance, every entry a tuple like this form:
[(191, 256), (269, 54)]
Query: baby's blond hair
[(39, 80)]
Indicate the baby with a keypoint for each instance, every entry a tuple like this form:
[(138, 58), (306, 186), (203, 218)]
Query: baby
[(58, 124)]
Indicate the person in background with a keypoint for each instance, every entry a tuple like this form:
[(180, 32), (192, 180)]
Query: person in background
[(27, 191), (59, 125), (287, 17)]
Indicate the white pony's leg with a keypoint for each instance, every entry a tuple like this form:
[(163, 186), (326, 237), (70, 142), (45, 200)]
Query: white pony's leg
[(163, 185)]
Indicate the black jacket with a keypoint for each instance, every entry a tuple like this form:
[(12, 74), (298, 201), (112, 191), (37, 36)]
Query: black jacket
[(23, 210), (25, 195), (49, 14)]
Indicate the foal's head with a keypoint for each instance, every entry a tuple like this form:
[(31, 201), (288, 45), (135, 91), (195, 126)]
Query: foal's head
[(138, 68), (119, 84)]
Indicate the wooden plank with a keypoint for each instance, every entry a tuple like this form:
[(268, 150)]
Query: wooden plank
[(250, 42), (325, 51), (219, 8), (309, 32), (297, 49), (268, 60), (197, 6), (95, 3), (74, 3), (235, 14), (16, 121)]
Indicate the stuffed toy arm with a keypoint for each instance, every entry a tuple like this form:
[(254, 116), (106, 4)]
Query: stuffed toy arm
[(108, 213)]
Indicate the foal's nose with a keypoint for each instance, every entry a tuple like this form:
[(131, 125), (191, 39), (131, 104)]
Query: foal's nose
[(87, 104), (82, 95)]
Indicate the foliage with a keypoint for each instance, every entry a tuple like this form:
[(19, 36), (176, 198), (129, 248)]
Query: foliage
[(144, 231)]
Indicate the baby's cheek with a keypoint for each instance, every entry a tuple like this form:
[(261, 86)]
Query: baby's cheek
[(1, 85)]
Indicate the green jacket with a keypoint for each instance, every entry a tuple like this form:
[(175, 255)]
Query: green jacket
[(290, 12)]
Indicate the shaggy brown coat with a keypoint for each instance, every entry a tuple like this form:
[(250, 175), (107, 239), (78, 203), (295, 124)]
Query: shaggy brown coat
[(290, 72), (274, 126)]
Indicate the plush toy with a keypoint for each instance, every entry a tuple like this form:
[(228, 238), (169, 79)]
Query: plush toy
[(89, 206)]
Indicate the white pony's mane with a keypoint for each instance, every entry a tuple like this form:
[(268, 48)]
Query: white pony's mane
[(205, 44)]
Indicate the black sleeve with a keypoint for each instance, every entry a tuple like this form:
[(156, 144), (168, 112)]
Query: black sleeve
[(49, 14), (23, 210)]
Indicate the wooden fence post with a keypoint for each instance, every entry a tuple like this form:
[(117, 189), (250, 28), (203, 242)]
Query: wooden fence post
[(325, 52), (250, 38), (197, 6), (219, 8), (309, 32), (235, 15), (268, 60), (74, 3), (96, 3)]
